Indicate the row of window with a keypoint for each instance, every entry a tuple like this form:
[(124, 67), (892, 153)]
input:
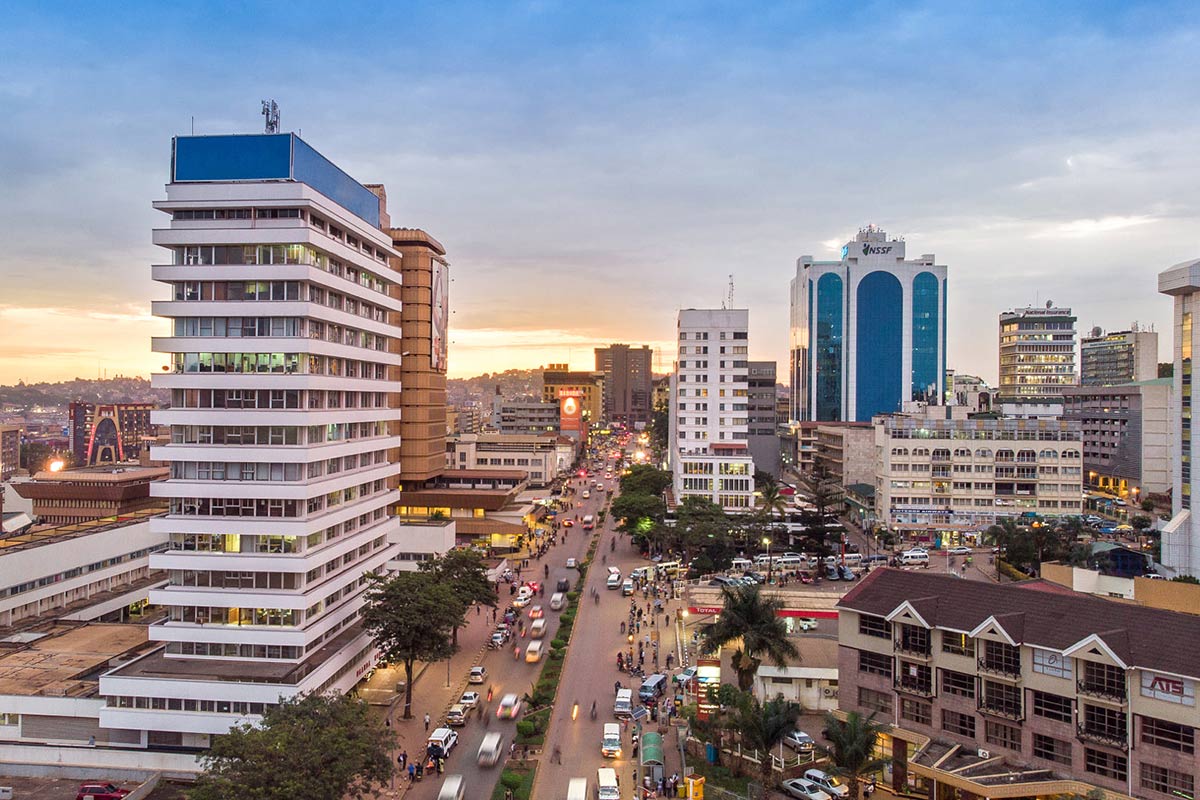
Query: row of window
[(702, 336), (276, 434), (275, 399), (267, 254), (256, 471), (280, 327), (274, 291), (271, 543)]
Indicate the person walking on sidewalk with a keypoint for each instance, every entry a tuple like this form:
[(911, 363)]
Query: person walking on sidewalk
[(426, 722)]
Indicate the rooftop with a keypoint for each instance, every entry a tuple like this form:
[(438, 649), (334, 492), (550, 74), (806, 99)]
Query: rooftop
[(1132, 635), (62, 533), (116, 473), (67, 660)]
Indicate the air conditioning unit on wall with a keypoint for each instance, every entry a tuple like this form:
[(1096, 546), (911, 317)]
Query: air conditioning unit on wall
[(983, 754)]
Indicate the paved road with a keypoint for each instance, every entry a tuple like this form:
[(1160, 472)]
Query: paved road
[(508, 675)]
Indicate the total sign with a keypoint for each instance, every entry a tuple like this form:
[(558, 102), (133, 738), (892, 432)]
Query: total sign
[(1168, 688)]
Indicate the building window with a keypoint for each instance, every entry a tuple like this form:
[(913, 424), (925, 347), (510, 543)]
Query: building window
[(876, 701), (1051, 749), (1052, 706), (916, 711), (958, 643), (874, 626), (1104, 724), (874, 663), (1168, 781), (1107, 765), (1170, 735), (1102, 680), (916, 678), (1002, 735), (913, 639), (961, 724), (1047, 662), (1001, 699), (958, 683), (1001, 657)]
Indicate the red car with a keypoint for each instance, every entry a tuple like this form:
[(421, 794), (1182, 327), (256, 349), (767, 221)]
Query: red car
[(96, 790)]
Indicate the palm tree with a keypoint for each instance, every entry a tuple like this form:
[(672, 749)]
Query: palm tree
[(763, 726), (852, 747), (751, 619)]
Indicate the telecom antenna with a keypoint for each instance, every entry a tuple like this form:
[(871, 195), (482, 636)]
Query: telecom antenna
[(728, 303), (270, 111)]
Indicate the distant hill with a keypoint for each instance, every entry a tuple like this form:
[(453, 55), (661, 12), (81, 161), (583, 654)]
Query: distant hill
[(111, 390), (515, 384)]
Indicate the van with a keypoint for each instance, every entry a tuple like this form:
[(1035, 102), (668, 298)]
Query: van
[(533, 653), (791, 561), (763, 559), (830, 784), (652, 688), (607, 787), (452, 788), (538, 629), (914, 558), (589, 522), (489, 750), (853, 560), (443, 738), (610, 741), (623, 705), (577, 789), (557, 601), (669, 568), (741, 565)]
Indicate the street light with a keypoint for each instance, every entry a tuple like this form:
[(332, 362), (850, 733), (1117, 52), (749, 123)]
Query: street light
[(767, 541)]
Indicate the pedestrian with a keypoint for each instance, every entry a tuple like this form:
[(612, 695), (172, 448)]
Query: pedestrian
[(403, 759), (412, 769), (427, 721), (478, 610)]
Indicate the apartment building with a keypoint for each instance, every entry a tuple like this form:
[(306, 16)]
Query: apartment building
[(559, 381), (1126, 436), (1181, 536), (948, 478), (1021, 690), (846, 453), (709, 422), (543, 456), (1037, 358), (1117, 357), (627, 376)]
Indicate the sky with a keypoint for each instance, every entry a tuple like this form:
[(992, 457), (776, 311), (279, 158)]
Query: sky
[(593, 167)]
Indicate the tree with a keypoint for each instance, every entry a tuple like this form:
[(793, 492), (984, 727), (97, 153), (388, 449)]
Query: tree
[(852, 747), (771, 502), (324, 747), (636, 507), (1140, 522), (750, 619), (698, 522), (464, 571), (1148, 506), (763, 726), (763, 479), (645, 479), (660, 422), (411, 617)]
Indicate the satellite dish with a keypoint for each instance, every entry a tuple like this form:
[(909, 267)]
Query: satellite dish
[(1049, 304)]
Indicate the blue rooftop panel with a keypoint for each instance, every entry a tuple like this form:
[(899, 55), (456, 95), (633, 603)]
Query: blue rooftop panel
[(278, 156)]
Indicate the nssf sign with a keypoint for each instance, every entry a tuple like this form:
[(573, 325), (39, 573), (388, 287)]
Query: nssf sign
[(1168, 688)]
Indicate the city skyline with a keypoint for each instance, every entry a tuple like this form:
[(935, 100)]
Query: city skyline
[(577, 184)]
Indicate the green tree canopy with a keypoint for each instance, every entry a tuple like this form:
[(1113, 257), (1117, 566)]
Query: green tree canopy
[(645, 479), (762, 726), (411, 616), (464, 571), (635, 507), (323, 747), (749, 619), (852, 747)]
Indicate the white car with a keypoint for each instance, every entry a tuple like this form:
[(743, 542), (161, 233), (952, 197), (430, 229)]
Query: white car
[(960, 550), (799, 741), (806, 623), (469, 699), (832, 785), (614, 580), (510, 706), (572, 563), (478, 675), (586, 494), (803, 790)]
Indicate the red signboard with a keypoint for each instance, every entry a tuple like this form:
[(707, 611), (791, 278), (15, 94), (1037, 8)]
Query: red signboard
[(570, 411)]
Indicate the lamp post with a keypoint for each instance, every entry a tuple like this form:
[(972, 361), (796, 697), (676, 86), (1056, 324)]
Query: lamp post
[(767, 541)]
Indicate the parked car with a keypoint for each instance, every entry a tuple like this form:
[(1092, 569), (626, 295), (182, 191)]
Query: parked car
[(469, 699), (803, 790), (478, 675), (832, 573), (830, 784), (846, 573), (684, 676), (799, 741), (96, 790), (457, 715), (510, 706), (805, 623), (443, 738)]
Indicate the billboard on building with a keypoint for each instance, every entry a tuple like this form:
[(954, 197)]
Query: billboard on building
[(570, 411), (439, 346)]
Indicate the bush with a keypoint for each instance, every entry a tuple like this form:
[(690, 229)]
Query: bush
[(558, 644), (1011, 572), (510, 780), (525, 728), (556, 655)]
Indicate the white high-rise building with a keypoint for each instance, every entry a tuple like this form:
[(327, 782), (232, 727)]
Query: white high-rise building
[(1181, 536), (709, 430), (282, 356)]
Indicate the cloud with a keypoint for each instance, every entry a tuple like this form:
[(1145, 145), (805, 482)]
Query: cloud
[(1078, 228)]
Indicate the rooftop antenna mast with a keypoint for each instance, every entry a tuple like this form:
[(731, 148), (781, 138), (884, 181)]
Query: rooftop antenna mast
[(728, 301), (270, 111)]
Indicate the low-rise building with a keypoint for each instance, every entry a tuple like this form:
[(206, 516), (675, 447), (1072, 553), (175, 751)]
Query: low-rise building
[(1021, 690), (846, 453), (524, 416), (77, 495), (1116, 357), (1126, 436), (944, 480), (543, 456)]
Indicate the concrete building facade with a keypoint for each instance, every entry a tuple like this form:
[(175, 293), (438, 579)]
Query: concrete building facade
[(1126, 436), (10, 451), (559, 381), (1117, 357), (709, 421), (627, 382), (543, 456), (1181, 536), (762, 406), (846, 453), (1037, 356), (868, 332), (524, 416)]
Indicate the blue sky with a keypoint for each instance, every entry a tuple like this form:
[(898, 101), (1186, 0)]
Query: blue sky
[(593, 167)]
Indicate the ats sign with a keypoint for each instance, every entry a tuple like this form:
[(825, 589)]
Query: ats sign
[(1168, 688)]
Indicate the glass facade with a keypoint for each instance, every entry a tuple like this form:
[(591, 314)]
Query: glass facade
[(828, 350), (924, 336), (808, 384), (880, 326)]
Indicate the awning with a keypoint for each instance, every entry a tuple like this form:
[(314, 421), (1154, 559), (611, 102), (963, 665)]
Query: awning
[(652, 749)]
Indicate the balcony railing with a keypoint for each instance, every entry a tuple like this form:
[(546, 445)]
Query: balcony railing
[(999, 709), (998, 668), (1103, 737), (912, 648), (1101, 690), (913, 686)]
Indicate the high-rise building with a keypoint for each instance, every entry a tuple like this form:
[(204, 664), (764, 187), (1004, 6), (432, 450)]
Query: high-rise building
[(285, 308), (558, 382), (10, 451), (1181, 536), (709, 417), (108, 433), (627, 388), (764, 424), (868, 332), (1116, 357), (1037, 356)]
